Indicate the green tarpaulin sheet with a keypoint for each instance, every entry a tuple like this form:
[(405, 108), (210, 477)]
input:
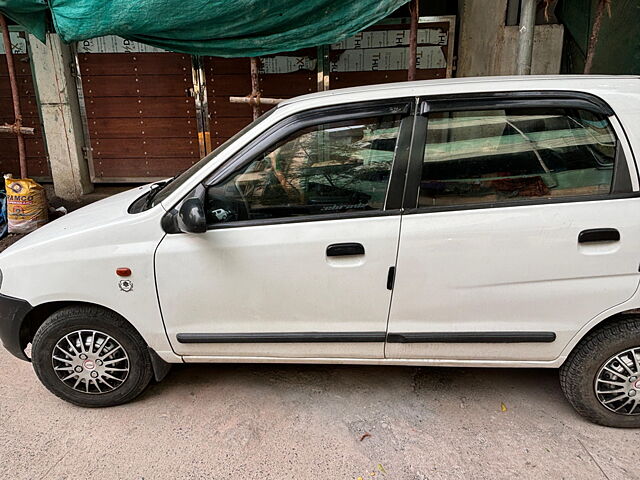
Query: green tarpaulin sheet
[(31, 14), (225, 28)]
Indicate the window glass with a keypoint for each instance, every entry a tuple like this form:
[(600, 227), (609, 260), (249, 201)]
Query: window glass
[(329, 168), (515, 154)]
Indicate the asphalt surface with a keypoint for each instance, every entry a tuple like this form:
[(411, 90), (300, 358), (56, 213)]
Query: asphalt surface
[(312, 422)]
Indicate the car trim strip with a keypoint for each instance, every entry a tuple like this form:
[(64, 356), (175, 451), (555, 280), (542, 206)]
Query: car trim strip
[(352, 337), (472, 337), (277, 337)]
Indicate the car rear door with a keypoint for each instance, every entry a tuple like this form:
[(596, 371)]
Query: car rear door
[(522, 223)]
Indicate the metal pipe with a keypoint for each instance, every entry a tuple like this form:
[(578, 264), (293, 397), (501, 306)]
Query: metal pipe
[(15, 96), (525, 36), (413, 40)]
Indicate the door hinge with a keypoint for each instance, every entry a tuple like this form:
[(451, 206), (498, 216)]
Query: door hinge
[(391, 276)]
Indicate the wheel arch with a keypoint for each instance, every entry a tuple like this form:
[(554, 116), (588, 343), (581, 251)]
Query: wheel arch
[(604, 322), (38, 314)]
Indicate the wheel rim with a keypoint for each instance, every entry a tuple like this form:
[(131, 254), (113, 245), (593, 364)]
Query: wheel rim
[(90, 361), (617, 384)]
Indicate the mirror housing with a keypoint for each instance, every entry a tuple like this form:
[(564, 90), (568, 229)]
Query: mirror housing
[(191, 216)]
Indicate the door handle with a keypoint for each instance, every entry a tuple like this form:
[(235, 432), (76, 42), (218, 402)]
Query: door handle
[(599, 235), (344, 249)]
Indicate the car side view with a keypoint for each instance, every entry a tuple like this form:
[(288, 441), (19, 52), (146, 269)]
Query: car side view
[(487, 222)]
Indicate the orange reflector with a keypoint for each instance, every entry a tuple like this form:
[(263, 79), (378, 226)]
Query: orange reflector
[(123, 271)]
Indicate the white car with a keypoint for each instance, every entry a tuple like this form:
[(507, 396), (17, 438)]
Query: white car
[(464, 222)]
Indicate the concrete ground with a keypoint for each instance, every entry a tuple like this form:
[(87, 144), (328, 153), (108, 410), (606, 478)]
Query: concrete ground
[(312, 422)]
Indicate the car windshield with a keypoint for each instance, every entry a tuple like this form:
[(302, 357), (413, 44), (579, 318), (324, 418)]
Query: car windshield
[(162, 192)]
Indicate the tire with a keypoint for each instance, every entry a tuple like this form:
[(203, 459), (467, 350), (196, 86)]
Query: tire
[(585, 368), (91, 328)]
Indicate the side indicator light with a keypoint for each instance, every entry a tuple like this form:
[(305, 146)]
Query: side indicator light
[(123, 272)]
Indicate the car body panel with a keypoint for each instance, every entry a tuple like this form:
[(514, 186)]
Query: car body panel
[(74, 258)]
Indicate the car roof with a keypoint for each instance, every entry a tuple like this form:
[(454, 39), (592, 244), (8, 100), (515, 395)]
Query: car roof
[(585, 83)]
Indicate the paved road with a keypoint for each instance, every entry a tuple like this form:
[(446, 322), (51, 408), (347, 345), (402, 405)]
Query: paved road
[(311, 422)]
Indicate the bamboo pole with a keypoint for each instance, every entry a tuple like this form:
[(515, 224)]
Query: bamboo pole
[(413, 40), (13, 128), (15, 96), (253, 101), (595, 33), (255, 88)]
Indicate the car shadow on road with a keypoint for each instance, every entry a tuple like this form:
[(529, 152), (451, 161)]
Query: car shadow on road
[(493, 386)]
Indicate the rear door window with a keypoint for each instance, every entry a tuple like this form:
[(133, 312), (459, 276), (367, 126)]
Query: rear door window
[(495, 156)]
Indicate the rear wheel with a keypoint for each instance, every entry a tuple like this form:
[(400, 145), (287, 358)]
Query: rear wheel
[(601, 377), (91, 357)]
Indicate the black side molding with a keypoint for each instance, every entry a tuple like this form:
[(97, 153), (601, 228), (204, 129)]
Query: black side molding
[(472, 337), (288, 337), (358, 337)]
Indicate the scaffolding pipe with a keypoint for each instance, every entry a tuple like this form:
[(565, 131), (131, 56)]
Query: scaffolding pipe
[(17, 126), (525, 36), (413, 40)]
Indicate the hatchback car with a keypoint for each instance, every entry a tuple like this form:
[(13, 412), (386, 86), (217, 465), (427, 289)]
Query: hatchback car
[(465, 222)]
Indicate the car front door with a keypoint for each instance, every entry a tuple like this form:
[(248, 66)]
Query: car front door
[(303, 228), (522, 224)]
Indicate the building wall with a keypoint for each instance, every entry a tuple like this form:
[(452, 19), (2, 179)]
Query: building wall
[(488, 47)]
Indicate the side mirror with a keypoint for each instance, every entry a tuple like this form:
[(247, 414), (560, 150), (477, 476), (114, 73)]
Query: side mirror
[(191, 217)]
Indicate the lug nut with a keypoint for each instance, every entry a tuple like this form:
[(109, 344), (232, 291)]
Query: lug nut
[(98, 362), (94, 374), (78, 369), (83, 356), (633, 379)]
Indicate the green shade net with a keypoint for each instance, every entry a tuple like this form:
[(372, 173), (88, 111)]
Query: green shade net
[(31, 14), (224, 28)]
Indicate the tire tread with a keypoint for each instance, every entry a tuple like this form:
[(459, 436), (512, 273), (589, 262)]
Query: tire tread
[(578, 363)]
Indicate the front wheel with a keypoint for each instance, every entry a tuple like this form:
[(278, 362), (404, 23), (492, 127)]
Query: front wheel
[(91, 357), (601, 377)]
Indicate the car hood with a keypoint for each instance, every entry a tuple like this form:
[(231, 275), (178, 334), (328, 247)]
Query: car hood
[(96, 215)]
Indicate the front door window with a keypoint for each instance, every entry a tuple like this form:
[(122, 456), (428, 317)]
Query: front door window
[(325, 169)]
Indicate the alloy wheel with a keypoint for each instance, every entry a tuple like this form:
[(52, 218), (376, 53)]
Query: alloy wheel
[(90, 361), (617, 384)]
